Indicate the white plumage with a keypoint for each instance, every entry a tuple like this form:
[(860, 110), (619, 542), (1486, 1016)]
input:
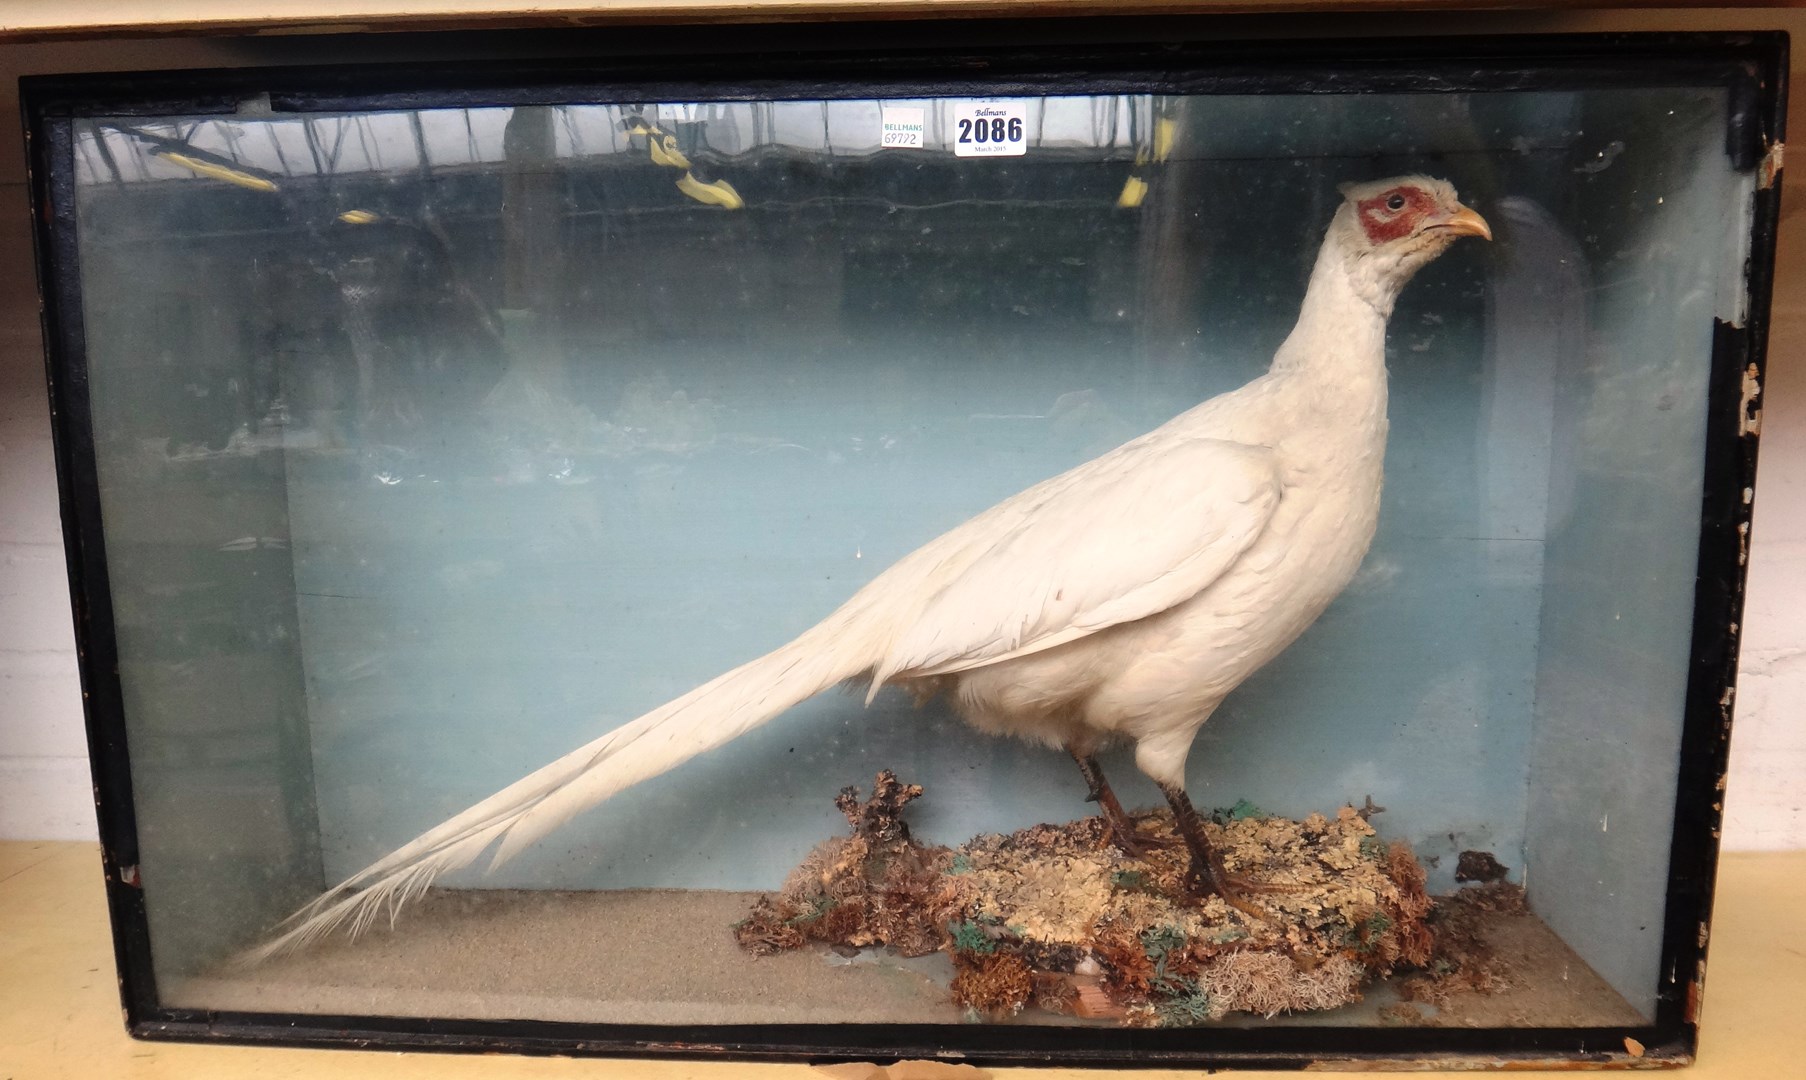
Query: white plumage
[(1121, 600)]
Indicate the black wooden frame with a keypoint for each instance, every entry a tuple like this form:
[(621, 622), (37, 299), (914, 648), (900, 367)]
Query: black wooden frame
[(850, 60)]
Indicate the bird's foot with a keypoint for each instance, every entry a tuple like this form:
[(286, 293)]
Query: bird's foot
[(1201, 886), (1241, 883), (1117, 821), (1211, 879), (1133, 844)]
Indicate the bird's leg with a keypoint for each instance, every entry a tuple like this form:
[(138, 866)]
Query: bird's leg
[(1207, 875), (1122, 826)]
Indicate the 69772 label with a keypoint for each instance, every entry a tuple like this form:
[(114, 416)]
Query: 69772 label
[(990, 129)]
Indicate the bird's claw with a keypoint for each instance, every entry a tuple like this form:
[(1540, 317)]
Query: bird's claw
[(1254, 885), (1134, 845), (1130, 846), (1212, 879)]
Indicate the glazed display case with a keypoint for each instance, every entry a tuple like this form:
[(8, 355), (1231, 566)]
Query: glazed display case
[(419, 425)]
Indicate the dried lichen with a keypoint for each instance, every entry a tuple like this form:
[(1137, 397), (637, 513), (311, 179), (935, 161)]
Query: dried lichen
[(875, 887), (1415, 941), (1057, 917), (1269, 983), (996, 984), (1461, 961), (765, 931)]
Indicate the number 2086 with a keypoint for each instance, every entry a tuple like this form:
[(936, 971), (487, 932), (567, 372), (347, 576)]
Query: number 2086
[(993, 130)]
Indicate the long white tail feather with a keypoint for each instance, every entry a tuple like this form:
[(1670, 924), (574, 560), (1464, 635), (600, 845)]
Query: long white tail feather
[(525, 811)]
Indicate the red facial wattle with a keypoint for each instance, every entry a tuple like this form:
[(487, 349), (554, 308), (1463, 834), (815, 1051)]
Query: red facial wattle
[(1382, 223)]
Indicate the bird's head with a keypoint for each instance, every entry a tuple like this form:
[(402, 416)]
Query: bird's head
[(1387, 230)]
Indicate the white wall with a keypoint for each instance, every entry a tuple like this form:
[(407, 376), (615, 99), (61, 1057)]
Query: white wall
[(44, 785), (43, 762), (43, 772), (1766, 798)]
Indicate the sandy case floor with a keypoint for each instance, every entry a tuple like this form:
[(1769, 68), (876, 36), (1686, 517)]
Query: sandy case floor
[(1051, 924), (624, 957)]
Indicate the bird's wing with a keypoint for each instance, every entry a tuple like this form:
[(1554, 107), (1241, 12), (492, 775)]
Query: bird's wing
[(1132, 535)]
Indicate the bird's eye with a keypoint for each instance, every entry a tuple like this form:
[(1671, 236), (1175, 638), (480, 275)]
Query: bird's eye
[(1396, 202)]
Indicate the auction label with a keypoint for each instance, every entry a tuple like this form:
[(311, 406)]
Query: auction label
[(902, 127), (989, 128)]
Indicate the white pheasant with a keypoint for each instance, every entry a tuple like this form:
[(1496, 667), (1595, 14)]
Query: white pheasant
[(1121, 600)]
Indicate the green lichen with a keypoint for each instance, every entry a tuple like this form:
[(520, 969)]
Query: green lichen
[(1185, 1006), (1182, 1003), (1160, 942), (1241, 811), (1365, 935), (969, 936), (1129, 880), (962, 864)]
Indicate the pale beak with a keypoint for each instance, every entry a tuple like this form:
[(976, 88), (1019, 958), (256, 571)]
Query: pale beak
[(1464, 222)]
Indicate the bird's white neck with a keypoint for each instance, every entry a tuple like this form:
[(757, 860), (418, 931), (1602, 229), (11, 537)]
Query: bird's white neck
[(1341, 330)]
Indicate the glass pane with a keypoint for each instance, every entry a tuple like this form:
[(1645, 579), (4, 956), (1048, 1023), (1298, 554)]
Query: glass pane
[(434, 444)]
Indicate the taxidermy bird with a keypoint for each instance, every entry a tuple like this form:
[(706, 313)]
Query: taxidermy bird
[(1120, 601)]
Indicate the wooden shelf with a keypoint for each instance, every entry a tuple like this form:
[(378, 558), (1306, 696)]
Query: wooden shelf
[(59, 1009), (59, 20)]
